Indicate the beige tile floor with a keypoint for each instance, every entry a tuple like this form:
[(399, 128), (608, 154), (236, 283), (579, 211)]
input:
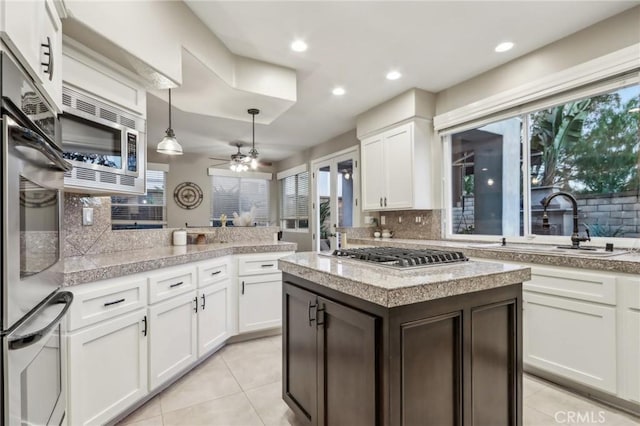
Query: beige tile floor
[(240, 385)]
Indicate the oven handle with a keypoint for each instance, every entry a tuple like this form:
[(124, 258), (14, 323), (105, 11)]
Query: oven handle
[(20, 342), (30, 139)]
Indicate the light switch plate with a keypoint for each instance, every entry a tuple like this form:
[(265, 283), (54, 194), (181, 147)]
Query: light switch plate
[(382, 220), (87, 216)]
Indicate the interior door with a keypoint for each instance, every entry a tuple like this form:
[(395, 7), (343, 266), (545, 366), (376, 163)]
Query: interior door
[(336, 190)]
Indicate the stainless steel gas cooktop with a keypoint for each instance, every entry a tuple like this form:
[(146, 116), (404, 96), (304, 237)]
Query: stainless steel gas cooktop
[(402, 258)]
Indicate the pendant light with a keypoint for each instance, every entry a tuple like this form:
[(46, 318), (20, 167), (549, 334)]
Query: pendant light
[(169, 144), (253, 153)]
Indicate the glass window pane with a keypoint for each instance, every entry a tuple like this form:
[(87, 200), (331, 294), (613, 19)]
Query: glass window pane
[(238, 195), (146, 211), (294, 201), (486, 179), (590, 149)]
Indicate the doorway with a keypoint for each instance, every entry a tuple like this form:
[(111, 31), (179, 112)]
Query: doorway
[(335, 202)]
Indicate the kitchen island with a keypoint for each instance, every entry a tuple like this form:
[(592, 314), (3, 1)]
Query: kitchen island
[(370, 345)]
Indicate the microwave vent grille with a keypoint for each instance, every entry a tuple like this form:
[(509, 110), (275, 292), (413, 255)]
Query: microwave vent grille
[(66, 99), (127, 180), (127, 122), (85, 107), (96, 108), (108, 115), (67, 174), (85, 174), (107, 177)]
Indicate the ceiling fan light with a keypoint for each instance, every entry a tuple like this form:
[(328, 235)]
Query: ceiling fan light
[(254, 163), (169, 144)]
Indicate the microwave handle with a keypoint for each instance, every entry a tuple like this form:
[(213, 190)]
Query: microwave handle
[(30, 139), (22, 341)]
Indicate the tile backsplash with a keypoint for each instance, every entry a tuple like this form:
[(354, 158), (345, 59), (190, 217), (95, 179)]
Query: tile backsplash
[(99, 238), (404, 224)]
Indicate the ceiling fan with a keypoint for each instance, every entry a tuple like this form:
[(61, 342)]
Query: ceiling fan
[(240, 162)]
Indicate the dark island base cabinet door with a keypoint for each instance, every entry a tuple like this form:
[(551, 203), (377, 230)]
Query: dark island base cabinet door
[(329, 361), (347, 365), (300, 351)]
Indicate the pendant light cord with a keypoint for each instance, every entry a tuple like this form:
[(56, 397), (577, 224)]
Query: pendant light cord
[(253, 127), (170, 108)]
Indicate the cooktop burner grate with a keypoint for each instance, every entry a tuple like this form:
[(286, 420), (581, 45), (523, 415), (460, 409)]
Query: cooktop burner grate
[(402, 258)]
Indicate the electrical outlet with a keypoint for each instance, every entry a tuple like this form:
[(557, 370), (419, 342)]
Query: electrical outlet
[(399, 219), (368, 220), (383, 220), (87, 216)]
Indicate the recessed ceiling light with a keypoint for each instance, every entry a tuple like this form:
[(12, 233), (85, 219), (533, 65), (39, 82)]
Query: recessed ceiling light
[(503, 47), (299, 46), (338, 91), (393, 75)]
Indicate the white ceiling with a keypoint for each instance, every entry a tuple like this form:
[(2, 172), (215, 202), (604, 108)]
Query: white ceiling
[(354, 44)]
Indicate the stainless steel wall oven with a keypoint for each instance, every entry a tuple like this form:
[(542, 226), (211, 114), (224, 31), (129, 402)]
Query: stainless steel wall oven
[(32, 308)]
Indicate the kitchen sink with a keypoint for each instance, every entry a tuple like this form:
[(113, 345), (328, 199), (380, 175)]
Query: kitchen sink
[(545, 249)]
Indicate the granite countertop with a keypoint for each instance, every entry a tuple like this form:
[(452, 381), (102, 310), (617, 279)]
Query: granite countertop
[(88, 268), (390, 287), (625, 263)]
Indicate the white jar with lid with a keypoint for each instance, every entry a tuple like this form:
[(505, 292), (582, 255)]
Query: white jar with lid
[(180, 237)]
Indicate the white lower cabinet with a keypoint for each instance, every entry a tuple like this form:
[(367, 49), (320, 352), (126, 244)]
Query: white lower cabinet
[(259, 291), (107, 368), (584, 325), (172, 337), (260, 302), (128, 336), (214, 325), (571, 338)]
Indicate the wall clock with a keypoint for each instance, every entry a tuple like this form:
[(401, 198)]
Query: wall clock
[(187, 195)]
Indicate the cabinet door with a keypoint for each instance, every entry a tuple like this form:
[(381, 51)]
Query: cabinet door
[(107, 368), (51, 35), (573, 339), (213, 316), (398, 168), (172, 337), (260, 304), (372, 180), (347, 360), (21, 32), (300, 379)]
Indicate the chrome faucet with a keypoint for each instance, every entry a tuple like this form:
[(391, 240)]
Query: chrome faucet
[(575, 238)]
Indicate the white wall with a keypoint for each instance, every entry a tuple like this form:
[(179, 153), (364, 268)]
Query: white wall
[(610, 35)]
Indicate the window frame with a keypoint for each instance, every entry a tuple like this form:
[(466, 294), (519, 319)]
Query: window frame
[(523, 111)]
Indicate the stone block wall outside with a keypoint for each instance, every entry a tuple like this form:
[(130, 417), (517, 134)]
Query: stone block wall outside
[(609, 214)]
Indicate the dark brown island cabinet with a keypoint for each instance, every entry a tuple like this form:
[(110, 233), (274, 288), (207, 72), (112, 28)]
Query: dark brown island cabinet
[(450, 361)]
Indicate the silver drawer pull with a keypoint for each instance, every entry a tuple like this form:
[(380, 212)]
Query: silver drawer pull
[(176, 284), (268, 265), (115, 302), (216, 272)]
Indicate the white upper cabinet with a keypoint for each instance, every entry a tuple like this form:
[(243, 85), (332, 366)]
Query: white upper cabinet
[(396, 168), (32, 31)]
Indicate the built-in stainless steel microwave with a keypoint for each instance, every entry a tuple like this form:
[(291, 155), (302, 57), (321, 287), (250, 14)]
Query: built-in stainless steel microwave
[(105, 144)]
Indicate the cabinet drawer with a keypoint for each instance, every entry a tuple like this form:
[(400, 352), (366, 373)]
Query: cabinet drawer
[(214, 271), (169, 282), (106, 299), (589, 286), (262, 263)]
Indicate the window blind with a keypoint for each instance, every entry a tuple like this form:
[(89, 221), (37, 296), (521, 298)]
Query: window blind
[(294, 206), (238, 194)]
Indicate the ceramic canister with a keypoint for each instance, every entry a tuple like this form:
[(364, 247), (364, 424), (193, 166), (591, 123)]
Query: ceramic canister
[(180, 238)]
